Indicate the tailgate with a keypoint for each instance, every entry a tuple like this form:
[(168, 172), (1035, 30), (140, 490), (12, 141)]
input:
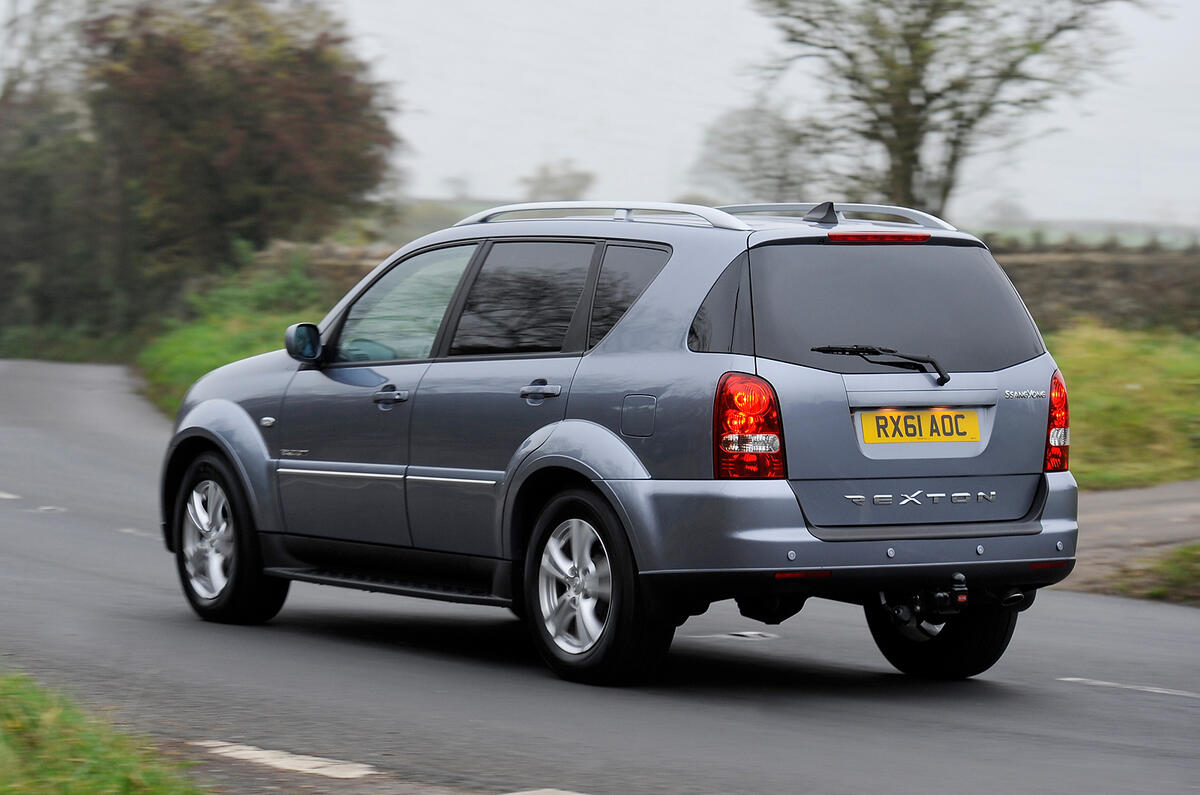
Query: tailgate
[(872, 444)]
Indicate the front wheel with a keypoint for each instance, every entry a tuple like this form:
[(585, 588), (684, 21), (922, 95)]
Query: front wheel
[(963, 646), (216, 548), (582, 598)]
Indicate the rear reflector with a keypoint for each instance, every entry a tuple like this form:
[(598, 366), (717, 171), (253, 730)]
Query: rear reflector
[(878, 237), (799, 575), (1050, 564)]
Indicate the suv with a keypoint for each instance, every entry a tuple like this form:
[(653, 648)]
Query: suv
[(606, 422)]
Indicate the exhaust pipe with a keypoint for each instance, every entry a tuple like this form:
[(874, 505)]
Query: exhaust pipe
[(1014, 597), (1017, 599)]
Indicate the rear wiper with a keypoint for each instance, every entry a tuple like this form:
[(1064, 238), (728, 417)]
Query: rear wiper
[(863, 351)]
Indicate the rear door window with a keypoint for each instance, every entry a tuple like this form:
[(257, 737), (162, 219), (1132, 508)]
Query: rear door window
[(523, 299), (951, 302)]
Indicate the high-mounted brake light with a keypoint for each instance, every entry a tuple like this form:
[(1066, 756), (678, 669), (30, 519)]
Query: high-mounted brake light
[(878, 237), (1058, 427), (747, 429)]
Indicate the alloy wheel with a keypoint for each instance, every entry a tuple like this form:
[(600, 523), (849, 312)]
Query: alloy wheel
[(208, 539), (575, 586)]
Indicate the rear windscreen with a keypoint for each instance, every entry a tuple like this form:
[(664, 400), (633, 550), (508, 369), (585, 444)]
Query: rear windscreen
[(951, 302)]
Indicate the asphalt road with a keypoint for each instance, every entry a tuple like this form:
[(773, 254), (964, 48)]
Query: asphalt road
[(453, 696)]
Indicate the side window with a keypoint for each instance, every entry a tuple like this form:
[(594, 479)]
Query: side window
[(398, 316), (523, 299), (625, 273), (723, 322)]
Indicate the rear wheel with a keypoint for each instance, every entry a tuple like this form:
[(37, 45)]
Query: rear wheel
[(581, 595), (216, 549), (963, 646)]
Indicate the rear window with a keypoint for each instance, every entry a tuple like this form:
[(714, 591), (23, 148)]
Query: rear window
[(951, 302)]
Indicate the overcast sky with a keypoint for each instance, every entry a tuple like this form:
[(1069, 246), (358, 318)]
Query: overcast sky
[(626, 88)]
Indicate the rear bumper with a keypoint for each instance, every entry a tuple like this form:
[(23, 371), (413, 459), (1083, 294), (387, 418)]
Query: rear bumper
[(675, 593), (720, 536)]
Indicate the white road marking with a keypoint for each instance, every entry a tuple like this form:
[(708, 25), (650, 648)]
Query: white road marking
[(751, 635), (545, 792), (282, 760), (4, 495), (1161, 691), (133, 531), (49, 509)]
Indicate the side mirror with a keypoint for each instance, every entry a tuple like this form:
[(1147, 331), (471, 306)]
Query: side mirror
[(303, 342)]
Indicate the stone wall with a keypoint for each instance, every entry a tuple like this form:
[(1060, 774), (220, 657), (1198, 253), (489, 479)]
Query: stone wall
[(1127, 289)]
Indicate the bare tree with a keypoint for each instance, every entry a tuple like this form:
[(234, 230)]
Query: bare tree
[(756, 153), (918, 85), (557, 181)]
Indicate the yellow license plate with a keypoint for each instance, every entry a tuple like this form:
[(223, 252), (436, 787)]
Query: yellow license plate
[(936, 425)]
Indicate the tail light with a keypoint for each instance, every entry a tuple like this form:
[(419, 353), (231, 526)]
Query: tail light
[(1058, 427), (747, 429)]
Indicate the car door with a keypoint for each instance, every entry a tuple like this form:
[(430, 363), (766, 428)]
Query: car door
[(509, 358), (344, 425)]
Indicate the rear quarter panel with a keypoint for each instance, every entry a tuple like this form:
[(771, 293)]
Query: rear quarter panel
[(646, 354)]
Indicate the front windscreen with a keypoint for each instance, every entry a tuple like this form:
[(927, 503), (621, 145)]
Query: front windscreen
[(950, 302)]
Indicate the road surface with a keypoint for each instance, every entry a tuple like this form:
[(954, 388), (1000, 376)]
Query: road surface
[(1096, 693)]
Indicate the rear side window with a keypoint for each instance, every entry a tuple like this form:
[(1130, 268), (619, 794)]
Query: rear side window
[(723, 322), (523, 299), (624, 274), (951, 302)]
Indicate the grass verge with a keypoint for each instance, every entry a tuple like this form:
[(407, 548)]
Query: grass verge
[(1174, 577), (1133, 394), (49, 746), (245, 316), (52, 343)]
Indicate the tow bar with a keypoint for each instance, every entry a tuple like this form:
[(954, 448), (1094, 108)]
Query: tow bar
[(923, 612)]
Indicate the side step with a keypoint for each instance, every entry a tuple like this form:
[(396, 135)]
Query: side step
[(364, 582)]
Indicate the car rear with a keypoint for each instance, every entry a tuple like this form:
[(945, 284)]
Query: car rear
[(876, 445), (855, 475)]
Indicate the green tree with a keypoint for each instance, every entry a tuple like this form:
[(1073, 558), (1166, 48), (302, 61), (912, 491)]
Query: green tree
[(234, 118), (49, 219), (139, 140), (915, 86), (46, 165)]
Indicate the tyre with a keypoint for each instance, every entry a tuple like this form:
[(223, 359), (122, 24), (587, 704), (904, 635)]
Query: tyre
[(216, 548), (582, 597), (965, 645)]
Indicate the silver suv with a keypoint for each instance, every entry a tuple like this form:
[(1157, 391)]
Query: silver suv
[(605, 417)]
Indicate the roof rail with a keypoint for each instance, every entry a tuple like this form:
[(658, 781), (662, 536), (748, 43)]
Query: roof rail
[(916, 216), (622, 211)]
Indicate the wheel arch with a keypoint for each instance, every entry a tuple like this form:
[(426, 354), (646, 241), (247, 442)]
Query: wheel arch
[(182, 454), (574, 453), (224, 429)]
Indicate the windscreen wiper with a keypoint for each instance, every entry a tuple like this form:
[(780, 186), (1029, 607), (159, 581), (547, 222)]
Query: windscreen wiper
[(911, 361)]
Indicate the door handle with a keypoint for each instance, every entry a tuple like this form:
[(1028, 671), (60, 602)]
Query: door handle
[(392, 395), (536, 391)]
